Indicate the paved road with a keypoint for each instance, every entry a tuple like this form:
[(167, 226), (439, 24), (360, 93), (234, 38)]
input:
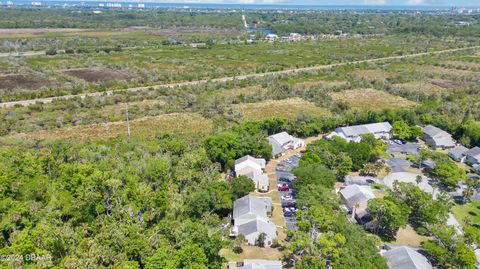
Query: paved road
[(225, 79)]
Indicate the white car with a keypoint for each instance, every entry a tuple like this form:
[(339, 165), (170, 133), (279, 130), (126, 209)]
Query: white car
[(287, 197)]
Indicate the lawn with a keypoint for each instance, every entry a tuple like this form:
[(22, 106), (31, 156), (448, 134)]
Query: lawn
[(470, 210), (408, 236)]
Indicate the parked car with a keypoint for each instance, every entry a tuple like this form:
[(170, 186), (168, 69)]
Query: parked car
[(283, 187), (287, 197), (288, 213)]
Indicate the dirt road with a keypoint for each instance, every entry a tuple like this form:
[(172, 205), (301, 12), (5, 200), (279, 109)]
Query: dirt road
[(225, 79)]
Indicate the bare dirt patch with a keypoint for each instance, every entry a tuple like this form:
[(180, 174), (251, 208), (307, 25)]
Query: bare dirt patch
[(29, 82), (97, 74), (371, 99), (287, 108)]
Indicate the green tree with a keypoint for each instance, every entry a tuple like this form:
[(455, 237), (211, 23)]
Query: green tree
[(241, 186), (388, 215)]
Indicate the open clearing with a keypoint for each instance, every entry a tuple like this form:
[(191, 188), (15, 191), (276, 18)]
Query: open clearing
[(371, 99), (408, 236), (252, 252), (11, 82), (287, 108), (177, 123), (97, 74)]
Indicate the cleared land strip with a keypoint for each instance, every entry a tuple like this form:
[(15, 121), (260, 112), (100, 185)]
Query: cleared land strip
[(225, 79)]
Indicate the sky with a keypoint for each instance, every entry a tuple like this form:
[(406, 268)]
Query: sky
[(342, 2)]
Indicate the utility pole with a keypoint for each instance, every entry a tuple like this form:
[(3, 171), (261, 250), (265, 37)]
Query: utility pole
[(128, 121)]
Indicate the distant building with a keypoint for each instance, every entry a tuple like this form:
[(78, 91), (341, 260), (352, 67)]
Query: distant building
[(381, 130), (458, 153), (402, 257), (283, 141), (250, 218), (253, 168), (271, 37), (437, 137)]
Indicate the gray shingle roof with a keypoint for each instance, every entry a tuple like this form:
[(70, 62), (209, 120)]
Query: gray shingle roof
[(282, 138), (249, 205), (355, 194), (406, 258), (458, 152), (473, 152), (260, 225), (261, 264), (432, 131), (357, 130)]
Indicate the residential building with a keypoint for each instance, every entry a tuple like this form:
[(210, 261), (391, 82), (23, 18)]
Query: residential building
[(250, 218), (255, 264), (402, 257), (356, 199), (437, 138), (283, 141), (458, 153), (253, 168), (472, 156), (381, 130), (250, 161)]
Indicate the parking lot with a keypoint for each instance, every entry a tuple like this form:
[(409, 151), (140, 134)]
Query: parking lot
[(409, 149), (285, 176)]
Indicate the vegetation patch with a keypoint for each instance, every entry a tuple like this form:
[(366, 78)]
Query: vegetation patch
[(287, 108), (420, 86), (233, 93), (177, 123), (371, 99), (371, 74), (97, 74), (11, 82)]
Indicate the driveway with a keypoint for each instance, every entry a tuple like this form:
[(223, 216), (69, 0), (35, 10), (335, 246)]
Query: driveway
[(409, 149), (397, 164)]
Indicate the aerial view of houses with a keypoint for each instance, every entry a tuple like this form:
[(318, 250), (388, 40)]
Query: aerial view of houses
[(240, 134)]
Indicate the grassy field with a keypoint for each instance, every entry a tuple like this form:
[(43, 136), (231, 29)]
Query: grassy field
[(287, 108), (371, 99), (153, 63), (146, 127)]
